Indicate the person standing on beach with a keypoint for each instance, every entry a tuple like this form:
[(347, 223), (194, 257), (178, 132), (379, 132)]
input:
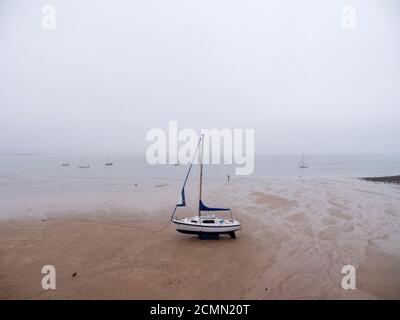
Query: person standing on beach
[(229, 177)]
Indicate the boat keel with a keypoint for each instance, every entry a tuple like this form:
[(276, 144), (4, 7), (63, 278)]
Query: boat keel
[(215, 236), (209, 236)]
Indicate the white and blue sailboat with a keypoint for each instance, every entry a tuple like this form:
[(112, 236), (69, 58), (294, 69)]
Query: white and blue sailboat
[(204, 225)]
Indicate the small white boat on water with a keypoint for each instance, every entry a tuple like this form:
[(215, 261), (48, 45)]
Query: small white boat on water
[(108, 162), (204, 225), (82, 165), (302, 164)]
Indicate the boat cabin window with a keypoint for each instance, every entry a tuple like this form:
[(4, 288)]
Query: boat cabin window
[(194, 221), (208, 221)]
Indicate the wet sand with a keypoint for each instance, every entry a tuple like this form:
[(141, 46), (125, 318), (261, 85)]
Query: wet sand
[(296, 237)]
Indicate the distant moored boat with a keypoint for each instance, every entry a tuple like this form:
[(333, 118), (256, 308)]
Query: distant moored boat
[(302, 164), (83, 166), (108, 163)]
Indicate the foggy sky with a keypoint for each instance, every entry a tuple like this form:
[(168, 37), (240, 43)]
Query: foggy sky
[(114, 69)]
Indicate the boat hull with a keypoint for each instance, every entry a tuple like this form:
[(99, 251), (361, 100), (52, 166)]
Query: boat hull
[(204, 230), (208, 235)]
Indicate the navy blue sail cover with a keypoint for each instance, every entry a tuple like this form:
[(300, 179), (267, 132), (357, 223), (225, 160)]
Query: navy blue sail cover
[(203, 207)]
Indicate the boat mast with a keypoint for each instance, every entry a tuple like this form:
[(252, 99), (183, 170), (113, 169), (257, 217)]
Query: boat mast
[(201, 170)]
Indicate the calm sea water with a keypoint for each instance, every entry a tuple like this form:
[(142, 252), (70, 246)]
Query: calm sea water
[(131, 167), (36, 184)]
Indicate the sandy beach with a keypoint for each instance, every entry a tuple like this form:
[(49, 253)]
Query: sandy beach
[(297, 235)]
